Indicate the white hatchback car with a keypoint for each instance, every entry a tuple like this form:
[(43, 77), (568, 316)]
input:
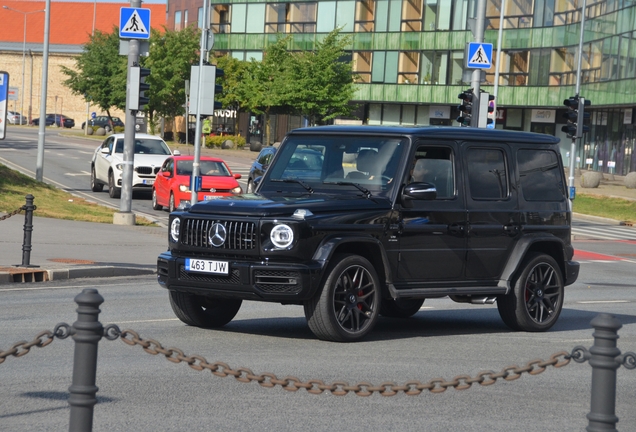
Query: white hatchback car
[(108, 160)]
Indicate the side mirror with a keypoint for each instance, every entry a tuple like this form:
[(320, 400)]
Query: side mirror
[(105, 150), (419, 191), (237, 176), (166, 173)]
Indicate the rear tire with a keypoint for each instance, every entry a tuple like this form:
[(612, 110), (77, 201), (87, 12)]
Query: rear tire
[(346, 307), (113, 191), (536, 301), (95, 186), (171, 206), (400, 308), (205, 312), (155, 206)]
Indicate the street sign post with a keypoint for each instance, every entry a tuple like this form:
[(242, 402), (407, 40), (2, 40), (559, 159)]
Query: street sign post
[(134, 23), (4, 98)]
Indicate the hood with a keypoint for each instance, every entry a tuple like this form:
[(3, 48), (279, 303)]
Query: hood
[(143, 159), (284, 206)]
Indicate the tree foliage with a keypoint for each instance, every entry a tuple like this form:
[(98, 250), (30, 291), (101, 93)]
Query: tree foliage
[(172, 53), (100, 72)]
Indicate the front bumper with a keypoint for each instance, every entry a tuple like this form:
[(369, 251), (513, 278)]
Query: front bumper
[(249, 280)]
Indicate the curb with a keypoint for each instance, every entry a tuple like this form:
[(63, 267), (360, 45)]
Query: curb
[(25, 275)]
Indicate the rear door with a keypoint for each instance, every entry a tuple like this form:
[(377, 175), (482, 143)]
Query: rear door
[(493, 212), (432, 239)]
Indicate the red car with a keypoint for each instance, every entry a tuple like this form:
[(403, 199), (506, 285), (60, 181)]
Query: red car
[(172, 185)]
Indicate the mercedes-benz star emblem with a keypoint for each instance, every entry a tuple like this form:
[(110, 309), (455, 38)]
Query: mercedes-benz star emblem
[(217, 235)]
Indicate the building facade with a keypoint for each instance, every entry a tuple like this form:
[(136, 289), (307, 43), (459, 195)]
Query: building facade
[(408, 58)]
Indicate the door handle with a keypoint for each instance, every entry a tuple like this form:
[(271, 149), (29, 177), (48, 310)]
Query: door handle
[(456, 229), (511, 229)]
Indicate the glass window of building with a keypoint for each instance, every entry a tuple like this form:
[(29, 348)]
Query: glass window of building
[(255, 22), (566, 12), (517, 14), (434, 67), (200, 18), (326, 16), (362, 66), (562, 65), (220, 19), (513, 68), (290, 18), (365, 16), (177, 20), (409, 67)]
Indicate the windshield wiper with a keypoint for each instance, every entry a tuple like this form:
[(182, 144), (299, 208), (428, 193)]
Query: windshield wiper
[(365, 191), (291, 180)]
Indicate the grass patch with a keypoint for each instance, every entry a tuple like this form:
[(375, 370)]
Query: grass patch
[(49, 201), (613, 208)]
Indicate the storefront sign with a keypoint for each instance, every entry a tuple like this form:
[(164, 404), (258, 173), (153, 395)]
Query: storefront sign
[(227, 113), (440, 112), (543, 116)]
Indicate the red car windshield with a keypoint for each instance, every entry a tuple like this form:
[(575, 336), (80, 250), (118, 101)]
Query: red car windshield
[(206, 168)]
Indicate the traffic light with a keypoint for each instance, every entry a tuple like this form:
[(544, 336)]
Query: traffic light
[(491, 110), (465, 109), (217, 87), (137, 99), (576, 116)]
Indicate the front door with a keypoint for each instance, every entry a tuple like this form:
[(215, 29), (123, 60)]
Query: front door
[(431, 236)]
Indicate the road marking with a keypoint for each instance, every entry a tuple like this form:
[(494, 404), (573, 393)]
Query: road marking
[(602, 301), (146, 321), (83, 173)]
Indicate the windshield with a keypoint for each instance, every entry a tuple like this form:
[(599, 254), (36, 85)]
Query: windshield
[(145, 146), (206, 168), (352, 165)]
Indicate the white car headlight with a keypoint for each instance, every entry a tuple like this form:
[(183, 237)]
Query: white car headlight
[(184, 188), (282, 236), (120, 166), (237, 190), (174, 229)]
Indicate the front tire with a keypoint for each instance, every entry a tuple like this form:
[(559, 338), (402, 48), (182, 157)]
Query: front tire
[(95, 186), (536, 301), (346, 308), (202, 311), (400, 308), (155, 206), (113, 191), (171, 206)]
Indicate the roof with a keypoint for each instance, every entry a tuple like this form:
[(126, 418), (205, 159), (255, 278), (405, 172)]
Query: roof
[(70, 25), (439, 132)]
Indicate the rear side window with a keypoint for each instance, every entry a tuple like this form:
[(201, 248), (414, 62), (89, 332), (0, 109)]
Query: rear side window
[(540, 175), (487, 175)]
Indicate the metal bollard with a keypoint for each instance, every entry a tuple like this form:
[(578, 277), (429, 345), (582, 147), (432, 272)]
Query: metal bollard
[(87, 332), (28, 229), (603, 359)]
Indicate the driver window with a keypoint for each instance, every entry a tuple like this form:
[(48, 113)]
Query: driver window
[(434, 165)]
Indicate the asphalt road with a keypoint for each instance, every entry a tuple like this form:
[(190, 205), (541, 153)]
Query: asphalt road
[(142, 392), (67, 166)]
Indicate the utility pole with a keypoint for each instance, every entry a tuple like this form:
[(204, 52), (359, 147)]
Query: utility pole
[(578, 89), (39, 164), (478, 34)]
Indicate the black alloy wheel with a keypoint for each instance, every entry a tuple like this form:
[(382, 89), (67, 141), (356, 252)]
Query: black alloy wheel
[(536, 301), (347, 307)]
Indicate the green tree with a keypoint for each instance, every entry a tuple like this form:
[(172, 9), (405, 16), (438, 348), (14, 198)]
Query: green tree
[(100, 72), (233, 70), (265, 85), (172, 53), (322, 81)]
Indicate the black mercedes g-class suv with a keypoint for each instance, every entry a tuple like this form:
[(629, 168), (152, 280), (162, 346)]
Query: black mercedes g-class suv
[(354, 222)]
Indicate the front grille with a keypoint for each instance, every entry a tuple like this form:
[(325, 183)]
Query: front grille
[(239, 235), (277, 281), (233, 279), (146, 170)]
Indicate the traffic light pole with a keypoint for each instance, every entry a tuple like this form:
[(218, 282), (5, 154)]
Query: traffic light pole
[(579, 121), (125, 215), (480, 18)]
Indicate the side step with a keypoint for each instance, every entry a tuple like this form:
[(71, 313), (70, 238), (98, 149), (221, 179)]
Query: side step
[(485, 291)]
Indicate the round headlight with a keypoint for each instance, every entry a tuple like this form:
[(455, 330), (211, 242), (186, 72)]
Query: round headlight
[(174, 229), (237, 190), (282, 236)]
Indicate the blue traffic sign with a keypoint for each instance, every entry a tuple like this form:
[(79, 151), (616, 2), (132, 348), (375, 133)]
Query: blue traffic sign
[(479, 55), (134, 23)]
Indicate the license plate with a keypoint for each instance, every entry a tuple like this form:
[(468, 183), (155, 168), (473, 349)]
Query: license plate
[(210, 197), (149, 182), (207, 266)]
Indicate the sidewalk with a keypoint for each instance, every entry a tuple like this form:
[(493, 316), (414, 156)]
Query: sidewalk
[(62, 249)]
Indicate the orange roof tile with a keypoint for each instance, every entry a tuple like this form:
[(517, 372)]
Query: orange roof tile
[(71, 22)]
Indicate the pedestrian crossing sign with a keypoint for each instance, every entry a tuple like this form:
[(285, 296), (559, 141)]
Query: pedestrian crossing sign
[(479, 55), (134, 23)]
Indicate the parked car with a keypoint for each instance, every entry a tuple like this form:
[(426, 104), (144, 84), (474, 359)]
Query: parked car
[(107, 162), (259, 166), (16, 118), (59, 120), (102, 121), (394, 216), (172, 185)]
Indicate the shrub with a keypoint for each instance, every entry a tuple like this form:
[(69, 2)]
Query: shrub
[(216, 141)]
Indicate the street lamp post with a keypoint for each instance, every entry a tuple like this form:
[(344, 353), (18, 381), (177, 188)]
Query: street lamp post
[(23, 53)]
